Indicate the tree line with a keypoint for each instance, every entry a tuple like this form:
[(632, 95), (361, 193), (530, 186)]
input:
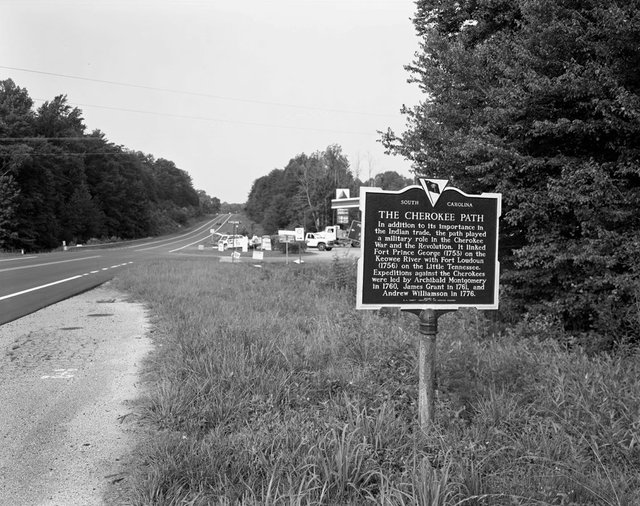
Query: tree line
[(540, 100), (59, 183), (300, 194)]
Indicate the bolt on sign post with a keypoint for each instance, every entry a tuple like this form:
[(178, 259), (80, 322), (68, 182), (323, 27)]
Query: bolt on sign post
[(428, 249)]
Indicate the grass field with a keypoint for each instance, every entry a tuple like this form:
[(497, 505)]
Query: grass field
[(266, 386)]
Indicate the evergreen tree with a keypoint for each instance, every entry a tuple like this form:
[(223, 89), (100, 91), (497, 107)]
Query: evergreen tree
[(9, 194), (16, 126)]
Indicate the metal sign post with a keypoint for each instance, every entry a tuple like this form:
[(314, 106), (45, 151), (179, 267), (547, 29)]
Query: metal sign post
[(428, 249), (427, 364), (286, 236)]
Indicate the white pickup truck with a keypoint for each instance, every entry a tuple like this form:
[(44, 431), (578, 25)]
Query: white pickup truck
[(318, 240)]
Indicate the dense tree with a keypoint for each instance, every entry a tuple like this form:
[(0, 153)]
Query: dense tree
[(389, 180), (319, 178), (539, 100), (260, 200), (231, 208), (16, 124), (80, 218), (174, 184), (9, 193), (59, 184), (16, 115), (208, 204), (301, 193), (56, 119)]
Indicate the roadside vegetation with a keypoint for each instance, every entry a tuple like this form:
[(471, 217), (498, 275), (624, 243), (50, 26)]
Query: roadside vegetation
[(266, 386)]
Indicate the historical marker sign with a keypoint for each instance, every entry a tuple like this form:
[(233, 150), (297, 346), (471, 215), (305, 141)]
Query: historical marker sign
[(428, 247)]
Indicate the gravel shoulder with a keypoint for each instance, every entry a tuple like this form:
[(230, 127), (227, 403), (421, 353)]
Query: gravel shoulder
[(69, 374)]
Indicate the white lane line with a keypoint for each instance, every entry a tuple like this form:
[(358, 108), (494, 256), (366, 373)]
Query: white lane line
[(40, 287), (163, 242), (16, 294), (199, 240), (48, 263), (172, 242), (18, 258), (160, 245), (191, 244)]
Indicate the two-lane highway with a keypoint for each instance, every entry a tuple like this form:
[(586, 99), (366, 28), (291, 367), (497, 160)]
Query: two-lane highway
[(31, 282)]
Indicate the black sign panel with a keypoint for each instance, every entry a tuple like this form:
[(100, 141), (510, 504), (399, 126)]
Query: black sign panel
[(429, 246)]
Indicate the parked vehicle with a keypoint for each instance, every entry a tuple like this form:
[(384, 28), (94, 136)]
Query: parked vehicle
[(341, 237), (232, 241), (318, 240), (332, 232), (255, 242)]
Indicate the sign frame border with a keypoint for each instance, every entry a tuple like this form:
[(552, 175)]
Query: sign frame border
[(417, 306)]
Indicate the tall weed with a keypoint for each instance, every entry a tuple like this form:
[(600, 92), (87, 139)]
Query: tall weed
[(267, 387)]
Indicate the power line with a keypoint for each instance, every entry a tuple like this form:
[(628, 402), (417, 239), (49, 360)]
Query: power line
[(22, 139), (206, 118), (85, 153), (195, 94)]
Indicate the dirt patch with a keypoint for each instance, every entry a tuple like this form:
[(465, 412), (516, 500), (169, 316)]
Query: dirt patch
[(67, 386)]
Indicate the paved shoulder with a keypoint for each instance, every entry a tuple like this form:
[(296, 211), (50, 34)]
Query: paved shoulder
[(66, 375)]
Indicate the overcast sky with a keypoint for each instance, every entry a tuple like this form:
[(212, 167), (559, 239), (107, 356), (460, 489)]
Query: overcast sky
[(228, 90)]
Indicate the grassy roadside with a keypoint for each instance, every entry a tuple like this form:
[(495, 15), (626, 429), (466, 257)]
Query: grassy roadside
[(267, 387)]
